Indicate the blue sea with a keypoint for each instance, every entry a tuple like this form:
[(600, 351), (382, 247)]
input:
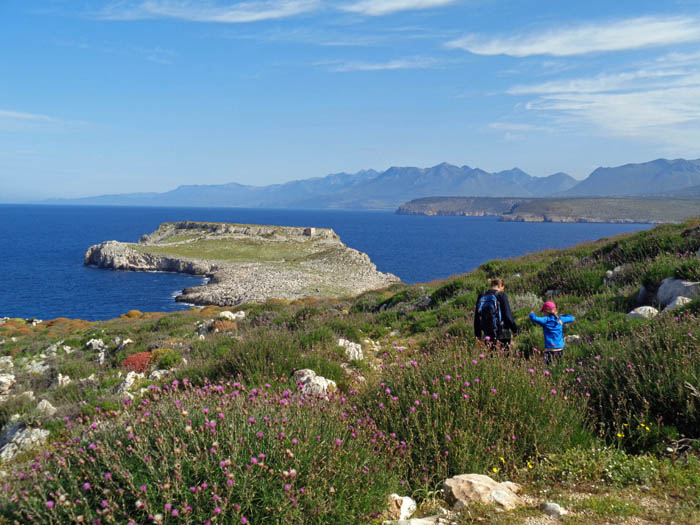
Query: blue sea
[(42, 248)]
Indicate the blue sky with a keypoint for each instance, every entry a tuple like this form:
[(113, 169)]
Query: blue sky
[(145, 95)]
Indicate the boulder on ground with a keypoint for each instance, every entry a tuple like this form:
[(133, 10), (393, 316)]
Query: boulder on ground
[(6, 382), (158, 374), (95, 344), (400, 508), (643, 312), (313, 384), (645, 296), (353, 351), (572, 339), (6, 363), (227, 315), (129, 381), (464, 489), (46, 408), (671, 288), (37, 367), (62, 380), (553, 509), (678, 302), (17, 437)]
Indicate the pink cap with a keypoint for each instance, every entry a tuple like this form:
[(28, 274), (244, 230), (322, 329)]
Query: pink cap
[(549, 306)]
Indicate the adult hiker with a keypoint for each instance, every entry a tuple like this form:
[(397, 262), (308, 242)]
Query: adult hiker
[(553, 329), (493, 320)]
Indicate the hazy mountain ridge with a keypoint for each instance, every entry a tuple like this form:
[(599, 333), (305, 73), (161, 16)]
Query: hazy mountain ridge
[(370, 189), (367, 189)]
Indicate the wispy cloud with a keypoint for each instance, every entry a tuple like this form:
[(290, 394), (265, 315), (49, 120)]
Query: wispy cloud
[(518, 127), (634, 33), (19, 116), (386, 7), (401, 63), (252, 11), (659, 105), (601, 83)]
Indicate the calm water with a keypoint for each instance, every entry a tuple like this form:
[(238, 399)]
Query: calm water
[(42, 248)]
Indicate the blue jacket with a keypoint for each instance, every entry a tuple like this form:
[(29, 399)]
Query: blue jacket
[(552, 328)]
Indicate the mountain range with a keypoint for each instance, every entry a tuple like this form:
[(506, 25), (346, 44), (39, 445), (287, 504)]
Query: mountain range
[(370, 189)]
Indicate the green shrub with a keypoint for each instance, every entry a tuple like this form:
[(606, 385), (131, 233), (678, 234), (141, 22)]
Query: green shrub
[(638, 384), (467, 412), (447, 291), (291, 461)]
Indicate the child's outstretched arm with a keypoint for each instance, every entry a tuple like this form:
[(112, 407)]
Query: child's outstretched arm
[(536, 319), (567, 319)]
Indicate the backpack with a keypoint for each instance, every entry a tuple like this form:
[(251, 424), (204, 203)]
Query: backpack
[(489, 313)]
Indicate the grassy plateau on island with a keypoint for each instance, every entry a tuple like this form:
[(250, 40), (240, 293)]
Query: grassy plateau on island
[(611, 431)]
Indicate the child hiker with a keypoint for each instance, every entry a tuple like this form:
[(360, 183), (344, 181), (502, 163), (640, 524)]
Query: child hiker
[(553, 328)]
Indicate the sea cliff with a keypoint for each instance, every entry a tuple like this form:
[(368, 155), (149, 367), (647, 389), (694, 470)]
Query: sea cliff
[(247, 263)]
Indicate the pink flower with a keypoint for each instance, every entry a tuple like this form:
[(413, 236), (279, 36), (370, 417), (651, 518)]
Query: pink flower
[(49, 504), (108, 475), (86, 486), (287, 487), (244, 520)]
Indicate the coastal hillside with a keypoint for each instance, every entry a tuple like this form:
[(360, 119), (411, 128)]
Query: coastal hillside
[(318, 410), (589, 209), (247, 263)]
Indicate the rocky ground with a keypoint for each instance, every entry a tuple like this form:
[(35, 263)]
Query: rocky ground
[(247, 263)]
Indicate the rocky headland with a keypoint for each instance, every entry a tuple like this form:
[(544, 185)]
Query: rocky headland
[(564, 209), (247, 263)]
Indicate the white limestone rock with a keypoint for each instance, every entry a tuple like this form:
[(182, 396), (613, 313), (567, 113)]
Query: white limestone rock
[(6, 382), (95, 344), (6, 363), (671, 288), (129, 381), (400, 507), (464, 489), (313, 384), (17, 437), (353, 351), (158, 374), (126, 342), (46, 408), (227, 315), (37, 367), (62, 380), (572, 339), (643, 312), (553, 509), (678, 302)]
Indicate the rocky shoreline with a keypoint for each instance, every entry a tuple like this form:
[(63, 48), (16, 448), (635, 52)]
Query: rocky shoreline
[(320, 264)]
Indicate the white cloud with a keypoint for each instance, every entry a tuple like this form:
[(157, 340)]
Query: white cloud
[(517, 127), (402, 63), (205, 12), (385, 7), (661, 107), (24, 117), (599, 83), (634, 33)]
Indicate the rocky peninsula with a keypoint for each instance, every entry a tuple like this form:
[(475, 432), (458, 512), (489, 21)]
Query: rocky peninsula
[(247, 263), (564, 209)]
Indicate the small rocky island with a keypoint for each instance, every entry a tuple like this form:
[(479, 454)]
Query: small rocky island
[(247, 263)]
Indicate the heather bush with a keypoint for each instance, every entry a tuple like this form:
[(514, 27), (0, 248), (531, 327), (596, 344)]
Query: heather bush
[(638, 385), (219, 453), (466, 410)]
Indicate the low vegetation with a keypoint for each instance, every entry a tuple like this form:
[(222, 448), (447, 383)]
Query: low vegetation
[(224, 433)]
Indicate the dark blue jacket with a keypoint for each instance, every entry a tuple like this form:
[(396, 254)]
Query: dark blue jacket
[(553, 328)]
